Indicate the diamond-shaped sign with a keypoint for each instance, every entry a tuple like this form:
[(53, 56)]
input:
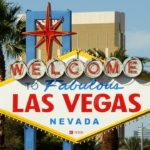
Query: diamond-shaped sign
[(74, 109)]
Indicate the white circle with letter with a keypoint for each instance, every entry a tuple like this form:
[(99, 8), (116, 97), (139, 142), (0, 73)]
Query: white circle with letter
[(113, 67), (75, 68), (36, 69), (132, 67), (55, 68), (18, 70), (93, 68)]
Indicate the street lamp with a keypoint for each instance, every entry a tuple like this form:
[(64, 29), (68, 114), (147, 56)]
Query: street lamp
[(142, 136), (142, 127)]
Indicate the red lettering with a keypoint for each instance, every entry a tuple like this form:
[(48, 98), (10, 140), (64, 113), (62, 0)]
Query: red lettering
[(132, 66), (15, 104), (36, 68), (112, 69), (106, 104), (70, 106), (47, 103), (71, 65), (53, 70), (86, 102), (134, 102), (32, 103), (91, 70), (119, 103), (16, 69)]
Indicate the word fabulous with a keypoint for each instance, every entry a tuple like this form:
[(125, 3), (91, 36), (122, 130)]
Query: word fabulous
[(93, 68)]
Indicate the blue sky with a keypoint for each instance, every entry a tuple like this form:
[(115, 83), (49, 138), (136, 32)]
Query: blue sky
[(137, 23)]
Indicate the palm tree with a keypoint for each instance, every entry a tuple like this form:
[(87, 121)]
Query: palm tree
[(132, 143), (110, 140), (10, 32), (16, 45), (9, 38)]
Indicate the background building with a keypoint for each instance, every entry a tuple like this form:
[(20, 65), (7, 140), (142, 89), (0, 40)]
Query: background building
[(100, 30), (146, 133)]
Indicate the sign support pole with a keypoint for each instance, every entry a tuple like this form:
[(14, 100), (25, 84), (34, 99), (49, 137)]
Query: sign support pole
[(66, 42), (30, 138), (30, 143), (67, 146), (29, 132)]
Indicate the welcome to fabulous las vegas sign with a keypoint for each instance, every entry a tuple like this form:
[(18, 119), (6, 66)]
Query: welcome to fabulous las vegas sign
[(75, 96)]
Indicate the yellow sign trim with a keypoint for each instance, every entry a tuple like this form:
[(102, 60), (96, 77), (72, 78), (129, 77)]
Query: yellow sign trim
[(61, 135), (35, 124), (7, 81)]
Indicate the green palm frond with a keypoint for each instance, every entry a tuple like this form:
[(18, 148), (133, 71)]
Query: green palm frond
[(132, 143), (144, 59), (120, 54), (15, 46), (8, 20), (14, 50), (96, 53)]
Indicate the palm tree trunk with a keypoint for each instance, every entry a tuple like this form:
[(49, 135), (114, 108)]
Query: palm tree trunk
[(2, 139), (110, 140), (2, 118), (2, 65)]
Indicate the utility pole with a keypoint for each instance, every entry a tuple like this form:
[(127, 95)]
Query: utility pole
[(106, 48)]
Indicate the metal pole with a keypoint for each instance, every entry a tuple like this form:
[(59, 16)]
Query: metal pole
[(106, 48), (142, 136), (67, 146), (88, 40), (66, 42), (29, 138), (77, 41), (29, 132)]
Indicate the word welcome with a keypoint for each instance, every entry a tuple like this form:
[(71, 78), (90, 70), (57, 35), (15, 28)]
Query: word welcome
[(92, 68)]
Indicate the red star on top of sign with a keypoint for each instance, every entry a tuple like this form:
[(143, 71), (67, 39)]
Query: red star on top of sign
[(48, 32)]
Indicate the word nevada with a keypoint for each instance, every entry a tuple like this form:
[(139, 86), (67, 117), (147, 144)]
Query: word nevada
[(93, 68)]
